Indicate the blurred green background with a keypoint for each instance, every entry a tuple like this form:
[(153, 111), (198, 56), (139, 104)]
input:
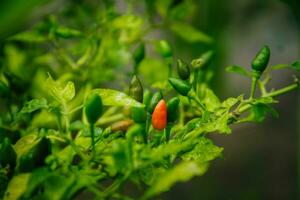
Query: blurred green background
[(260, 160)]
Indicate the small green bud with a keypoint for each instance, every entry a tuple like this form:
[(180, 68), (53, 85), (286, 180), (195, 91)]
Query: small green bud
[(183, 69), (93, 108), (136, 89), (204, 60)]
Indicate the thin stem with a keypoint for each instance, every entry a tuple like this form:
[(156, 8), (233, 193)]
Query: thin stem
[(262, 88), (168, 131), (148, 121), (195, 81), (272, 94), (253, 86), (92, 129), (76, 109), (194, 97)]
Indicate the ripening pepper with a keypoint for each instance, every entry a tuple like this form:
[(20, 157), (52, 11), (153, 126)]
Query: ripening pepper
[(159, 115), (154, 100), (136, 89), (172, 109), (181, 86), (183, 69), (261, 60), (93, 108)]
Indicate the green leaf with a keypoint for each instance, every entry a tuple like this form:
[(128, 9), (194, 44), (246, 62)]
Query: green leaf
[(204, 151), (258, 113), (34, 105), (29, 36), (68, 92), (296, 65), (280, 66), (180, 173), (210, 99), (189, 33), (58, 92), (24, 144), (17, 186), (66, 33), (238, 70), (115, 98)]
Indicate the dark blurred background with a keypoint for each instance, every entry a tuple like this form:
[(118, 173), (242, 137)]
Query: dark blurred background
[(260, 160)]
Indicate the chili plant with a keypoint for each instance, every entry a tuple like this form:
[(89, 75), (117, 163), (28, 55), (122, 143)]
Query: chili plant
[(65, 135)]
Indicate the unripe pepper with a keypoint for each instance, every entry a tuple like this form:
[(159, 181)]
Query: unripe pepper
[(147, 98), (159, 115), (136, 89), (261, 60), (93, 111), (172, 109), (93, 108), (259, 64), (154, 100), (183, 69), (182, 87)]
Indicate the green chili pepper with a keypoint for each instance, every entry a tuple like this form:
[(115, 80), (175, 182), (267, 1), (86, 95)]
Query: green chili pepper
[(93, 111), (93, 108), (164, 49), (136, 89), (147, 98), (172, 108), (154, 100), (8, 155), (139, 54), (183, 69), (204, 60), (181, 86), (261, 60)]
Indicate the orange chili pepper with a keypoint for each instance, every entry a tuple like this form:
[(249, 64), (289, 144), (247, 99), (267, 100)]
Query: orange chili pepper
[(159, 115)]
